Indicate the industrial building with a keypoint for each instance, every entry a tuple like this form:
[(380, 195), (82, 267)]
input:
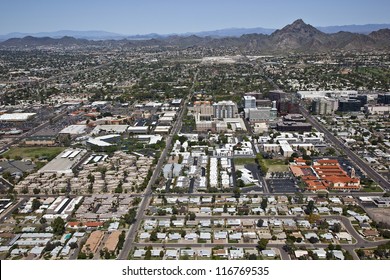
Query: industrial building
[(64, 162)]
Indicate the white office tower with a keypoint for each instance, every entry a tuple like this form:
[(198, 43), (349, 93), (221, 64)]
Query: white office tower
[(249, 102), (225, 109)]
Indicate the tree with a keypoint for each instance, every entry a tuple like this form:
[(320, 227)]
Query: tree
[(262, 244), (148, 255), (35, 204), (192, 216), (153, 236), (360, 254), (36, 191), (237, 192), (82, 256), (58, 226), (336, 228), (310, 207), (264, 203), (130, 216), (313, 240), (91, 178), (121, 240), (240, 183), (260, 223), (348, 255), (238, 174), (385, 233), (73, 245), (252, 257)]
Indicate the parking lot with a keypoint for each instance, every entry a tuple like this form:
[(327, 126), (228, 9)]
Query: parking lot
[(281, 185)]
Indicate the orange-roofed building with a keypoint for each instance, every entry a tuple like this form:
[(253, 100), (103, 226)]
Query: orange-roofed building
[(93, 224), (324, 174)]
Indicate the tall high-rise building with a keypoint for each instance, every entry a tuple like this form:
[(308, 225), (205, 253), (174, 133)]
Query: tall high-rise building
[(249, 102), (225, 109), (349, 105), (324, 106)]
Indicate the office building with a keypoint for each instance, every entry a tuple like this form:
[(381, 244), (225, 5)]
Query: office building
[(225, 109), (349, 105), (249, 102)]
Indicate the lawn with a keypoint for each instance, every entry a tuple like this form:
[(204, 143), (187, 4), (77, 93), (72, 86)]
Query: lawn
[(275, 165), (243, 161), (372, 189), (33, 152)]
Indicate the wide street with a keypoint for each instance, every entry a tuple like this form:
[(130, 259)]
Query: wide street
[(129, 242)]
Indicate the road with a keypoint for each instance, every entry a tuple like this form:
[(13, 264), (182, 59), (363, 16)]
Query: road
[(129, 241), (7, 213), (365, 167)]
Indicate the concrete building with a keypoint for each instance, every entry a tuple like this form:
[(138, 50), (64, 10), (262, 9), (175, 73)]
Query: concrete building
[(376, 109), (285, 148), (324, 106), (349, 105), (41, 140), (294, 126), (383, 98), (249, 102), (16, 117), (225, 109), (259, 114)]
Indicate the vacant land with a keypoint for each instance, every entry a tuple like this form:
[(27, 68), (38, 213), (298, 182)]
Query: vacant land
[(33, 152), (243, 161), (275, 165)]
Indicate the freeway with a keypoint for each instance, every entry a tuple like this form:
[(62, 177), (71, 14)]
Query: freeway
[(355, 158), (129, 241)]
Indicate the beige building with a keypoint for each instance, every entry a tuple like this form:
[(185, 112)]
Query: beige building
[(93, 242)]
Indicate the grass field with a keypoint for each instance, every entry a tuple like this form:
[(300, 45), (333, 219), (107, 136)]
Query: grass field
[(33, 152), (275, 165), (243, 161)]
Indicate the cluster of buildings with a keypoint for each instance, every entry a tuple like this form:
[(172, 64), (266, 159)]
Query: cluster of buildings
[(287, 143), (328, 102), (101, 208), (324, 174), (79, 172), (217, 117)]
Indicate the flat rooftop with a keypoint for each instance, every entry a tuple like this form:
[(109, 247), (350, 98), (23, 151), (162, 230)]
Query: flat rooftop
[(64, 162)]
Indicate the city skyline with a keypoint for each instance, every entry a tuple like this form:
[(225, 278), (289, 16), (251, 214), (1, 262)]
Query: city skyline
[(164, 17)]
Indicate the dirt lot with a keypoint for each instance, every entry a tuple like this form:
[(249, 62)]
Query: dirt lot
[(379, 214)]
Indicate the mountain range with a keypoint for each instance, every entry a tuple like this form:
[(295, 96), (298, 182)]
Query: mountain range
[(219, 33), (297, 36)]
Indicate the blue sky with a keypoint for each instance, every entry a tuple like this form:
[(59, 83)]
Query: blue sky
[(174, 16)]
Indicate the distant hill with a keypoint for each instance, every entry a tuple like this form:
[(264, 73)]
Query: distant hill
[(297, 36), (220, 33), (362, 29), (90, 35)]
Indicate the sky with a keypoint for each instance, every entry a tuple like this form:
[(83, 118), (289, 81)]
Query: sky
[(179, 16)]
